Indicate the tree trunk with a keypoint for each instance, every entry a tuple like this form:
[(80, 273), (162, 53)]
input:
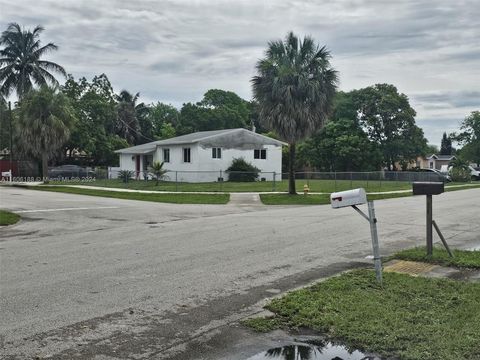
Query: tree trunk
[(45, 167), (291, 171)]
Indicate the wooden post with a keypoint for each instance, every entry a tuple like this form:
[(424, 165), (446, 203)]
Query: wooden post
[(429, 226)]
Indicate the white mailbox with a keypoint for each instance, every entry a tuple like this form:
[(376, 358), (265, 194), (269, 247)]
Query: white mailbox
[(348, 198)]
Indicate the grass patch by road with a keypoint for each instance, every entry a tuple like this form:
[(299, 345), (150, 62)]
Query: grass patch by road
[(461, 258), (320, 199), (160, 197), (286, 199), (315, 199), (8, 218), (412, 318), (315, 185)]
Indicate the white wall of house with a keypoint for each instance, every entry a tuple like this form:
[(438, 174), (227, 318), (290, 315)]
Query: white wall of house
[(127, 162), (204, 168)]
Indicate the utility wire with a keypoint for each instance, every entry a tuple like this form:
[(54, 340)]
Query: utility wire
[(136, 131)]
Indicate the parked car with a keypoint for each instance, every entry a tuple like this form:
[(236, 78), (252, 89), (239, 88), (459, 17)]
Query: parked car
[(70, 171), (435, 175), (474, 172)]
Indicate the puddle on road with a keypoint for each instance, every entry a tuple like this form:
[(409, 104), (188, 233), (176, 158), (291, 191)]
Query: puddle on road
[(328, 351)]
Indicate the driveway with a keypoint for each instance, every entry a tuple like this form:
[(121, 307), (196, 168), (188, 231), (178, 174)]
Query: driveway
[(100, 278)]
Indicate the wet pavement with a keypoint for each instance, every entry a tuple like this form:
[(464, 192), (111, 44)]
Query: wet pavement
[(318, 351), (101, 278)]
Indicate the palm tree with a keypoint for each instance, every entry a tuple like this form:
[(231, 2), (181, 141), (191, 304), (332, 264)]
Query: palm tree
[(127, 125), (20, 61), (294, 88), (44, 124), (158, 171)]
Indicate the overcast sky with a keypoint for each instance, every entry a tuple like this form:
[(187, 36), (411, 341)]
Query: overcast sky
[(173, 51)]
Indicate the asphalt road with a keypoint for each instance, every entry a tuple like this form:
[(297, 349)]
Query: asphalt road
[(98, 278)]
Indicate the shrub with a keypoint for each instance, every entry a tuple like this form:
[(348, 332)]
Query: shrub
[(158, 171), (125, 175), (460, 171), (460, 174), (242, 171)]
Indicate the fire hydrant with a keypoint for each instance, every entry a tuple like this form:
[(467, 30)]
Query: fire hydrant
[(306, 189)]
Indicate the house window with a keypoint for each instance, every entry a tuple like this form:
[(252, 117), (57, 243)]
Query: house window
[(216, 153), (166, 155), (186, 155), (260, 154), (147, 161)]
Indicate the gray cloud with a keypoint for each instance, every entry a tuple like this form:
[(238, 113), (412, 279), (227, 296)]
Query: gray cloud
[(449, 99), (175, 50)]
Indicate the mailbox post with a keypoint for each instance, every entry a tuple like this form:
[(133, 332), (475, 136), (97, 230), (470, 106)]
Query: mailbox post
[(429, 189), (358, 197)]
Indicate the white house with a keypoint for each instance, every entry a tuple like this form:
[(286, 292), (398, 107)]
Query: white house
[(204, 156)]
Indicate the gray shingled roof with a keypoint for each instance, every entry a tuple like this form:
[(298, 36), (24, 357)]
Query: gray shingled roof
[(441, 157), (190, 139)]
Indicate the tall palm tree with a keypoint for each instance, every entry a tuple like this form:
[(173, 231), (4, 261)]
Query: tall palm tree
[(44, 123), (21, 65), (127, 125), (294, 88)]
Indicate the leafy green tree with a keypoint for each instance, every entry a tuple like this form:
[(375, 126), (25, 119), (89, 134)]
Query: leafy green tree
[(431, 149), (219, 109), (158, 171), (411, 145), (389, 121), (446, 145), (95, 108), (44, 123), (294, 88), (469, 137), (167, 131), (341, 146), (221, 99), (21, 64), (160, 114)]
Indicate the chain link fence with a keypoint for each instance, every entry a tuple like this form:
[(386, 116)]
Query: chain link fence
[(223, 181)]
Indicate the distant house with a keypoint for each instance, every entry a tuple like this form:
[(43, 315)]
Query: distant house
[(437, 161), (204, 156)]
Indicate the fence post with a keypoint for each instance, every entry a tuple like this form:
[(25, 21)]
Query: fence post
[(176, 180), (351, 180), (335, 172), (221, 180), (273, 185)]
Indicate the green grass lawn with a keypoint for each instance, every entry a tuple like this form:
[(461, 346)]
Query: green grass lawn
[(321, 199), (461, 258), (286, 199), (8, 218), (257, 186), (412, 318), (166, 198), (314, 199)]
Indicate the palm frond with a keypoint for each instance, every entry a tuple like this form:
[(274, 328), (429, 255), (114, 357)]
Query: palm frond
[(48, 65), (43, 50)]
